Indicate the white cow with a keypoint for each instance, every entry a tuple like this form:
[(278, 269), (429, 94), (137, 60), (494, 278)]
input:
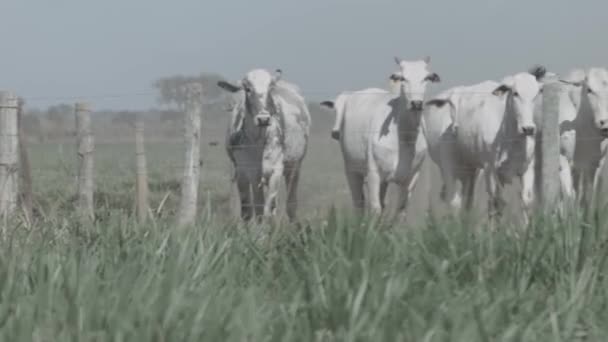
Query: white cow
[(394, 86), (440, 129), (266, 139), (584, 132), (380, 137), (494, 132)]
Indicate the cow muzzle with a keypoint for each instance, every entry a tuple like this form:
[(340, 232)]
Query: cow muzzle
[(416, 104), (603, 126), (262, 119), (528, 130)]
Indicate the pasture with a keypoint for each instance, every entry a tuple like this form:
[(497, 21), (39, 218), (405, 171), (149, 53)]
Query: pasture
[(329, 278)]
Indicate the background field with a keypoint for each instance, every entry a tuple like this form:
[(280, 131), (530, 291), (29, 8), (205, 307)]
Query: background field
[(330, 278), (322, 185)]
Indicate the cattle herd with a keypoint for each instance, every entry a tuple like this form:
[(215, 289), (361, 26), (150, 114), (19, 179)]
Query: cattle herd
[(488, 128)]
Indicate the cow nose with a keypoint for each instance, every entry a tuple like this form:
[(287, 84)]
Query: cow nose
[(263, 121), (528, 130), (604, 131), (416, 105)]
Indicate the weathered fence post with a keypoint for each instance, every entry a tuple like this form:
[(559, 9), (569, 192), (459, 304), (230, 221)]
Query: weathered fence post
[(549, 181), (190, 179), (27, 201), (141, 184), (9, 154), (86, 147)]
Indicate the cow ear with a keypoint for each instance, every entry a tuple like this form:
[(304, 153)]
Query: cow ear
[(328, 104), (394, 77), (277, 75), (427, 60), (398, 60), (501, 90), (538, 71), (229, 86), (437, 102), (433, 77)]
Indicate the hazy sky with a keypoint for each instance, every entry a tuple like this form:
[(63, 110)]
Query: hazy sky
[(54, 51)]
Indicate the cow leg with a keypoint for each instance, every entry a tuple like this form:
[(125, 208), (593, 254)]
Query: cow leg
[(450, 192), (585, 182), (493, 188), (527, 191), (292, 179), (597, 184), (274, 184), (383, 189), (451, 195), (468, 188), (258, 200), (448, 166), (404, 195), (373, 186), (566, 180), (244, 197), (355, 183), (577, 184)]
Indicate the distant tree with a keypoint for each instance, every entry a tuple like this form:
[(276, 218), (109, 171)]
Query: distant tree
[(170, 90), (60, 114), (32, 126), (124, 118), (171, 116)]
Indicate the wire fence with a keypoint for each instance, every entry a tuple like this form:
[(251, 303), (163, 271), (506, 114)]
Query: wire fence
[(328, 93), (225, 169)]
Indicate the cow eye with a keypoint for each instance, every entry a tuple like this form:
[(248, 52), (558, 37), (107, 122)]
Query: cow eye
[(515, 93), (589, 91)]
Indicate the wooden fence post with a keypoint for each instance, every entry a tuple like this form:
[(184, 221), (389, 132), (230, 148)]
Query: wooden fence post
[(550, 186), (9, 154), (141, 184), (190, 179), (86, 147), (27, 196)]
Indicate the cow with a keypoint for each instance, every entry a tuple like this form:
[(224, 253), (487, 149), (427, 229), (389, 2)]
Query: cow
[(440, 128), (267, 139), (490, 128), (379, 135), (394, 85), (583, 121)]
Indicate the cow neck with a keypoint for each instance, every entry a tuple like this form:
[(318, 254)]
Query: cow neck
[(254, 135), (585, 115), (513, 147), (273, 135), (408, 122), (509, 122)]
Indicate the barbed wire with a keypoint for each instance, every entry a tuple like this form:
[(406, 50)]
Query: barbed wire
[(445, 140), (174, 172), (38, 98)]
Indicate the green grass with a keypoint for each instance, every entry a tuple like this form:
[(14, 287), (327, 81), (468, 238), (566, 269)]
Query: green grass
[(329, 278), (335, 279)]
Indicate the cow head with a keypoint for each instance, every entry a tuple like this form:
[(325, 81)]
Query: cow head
[(414, 77), (594, 94), (257, 85), (522, 91)]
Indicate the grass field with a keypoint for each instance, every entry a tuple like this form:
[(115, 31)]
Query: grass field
[(329, 278)]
